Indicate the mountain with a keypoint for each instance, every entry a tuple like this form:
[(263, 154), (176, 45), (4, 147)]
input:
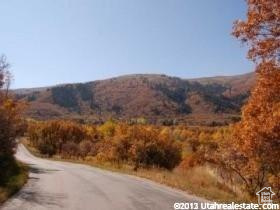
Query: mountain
[(238, 84), (150, 96)]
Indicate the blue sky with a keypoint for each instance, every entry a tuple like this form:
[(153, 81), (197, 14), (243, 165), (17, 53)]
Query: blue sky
[(62, 41)]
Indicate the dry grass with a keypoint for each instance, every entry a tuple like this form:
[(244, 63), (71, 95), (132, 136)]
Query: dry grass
[(14, 183), (197, 181)]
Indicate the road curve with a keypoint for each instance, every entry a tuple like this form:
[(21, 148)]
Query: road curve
[(61, 185)]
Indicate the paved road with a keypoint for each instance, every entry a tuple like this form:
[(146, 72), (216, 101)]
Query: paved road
[(60, 185)]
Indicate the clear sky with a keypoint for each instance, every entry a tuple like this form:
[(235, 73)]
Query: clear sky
[(62, 41)]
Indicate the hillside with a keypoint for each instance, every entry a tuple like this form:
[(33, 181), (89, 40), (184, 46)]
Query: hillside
[(153, 97), (236, 84)]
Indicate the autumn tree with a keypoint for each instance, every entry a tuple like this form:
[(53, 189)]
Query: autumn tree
[(255, 150), (261, 30), (11, 123), (8, 114)]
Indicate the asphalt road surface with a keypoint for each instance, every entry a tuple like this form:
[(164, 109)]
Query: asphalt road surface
[(61, 185)]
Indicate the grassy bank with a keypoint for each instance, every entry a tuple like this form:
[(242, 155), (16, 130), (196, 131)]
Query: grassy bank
[(15, 177), (199, 181)]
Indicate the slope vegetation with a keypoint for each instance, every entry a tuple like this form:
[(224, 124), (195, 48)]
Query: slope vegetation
[(155, 97)]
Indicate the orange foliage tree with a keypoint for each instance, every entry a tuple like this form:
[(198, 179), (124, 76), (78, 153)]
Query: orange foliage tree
[(255, 150)]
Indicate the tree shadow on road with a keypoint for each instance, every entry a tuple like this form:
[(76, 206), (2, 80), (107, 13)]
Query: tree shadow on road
[(41, 198), (33, 168), (37, 170), (34, 195)]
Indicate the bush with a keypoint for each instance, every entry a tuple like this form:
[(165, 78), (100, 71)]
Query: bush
[(46, 149), (85, 148), (140, 145), (70, 149)]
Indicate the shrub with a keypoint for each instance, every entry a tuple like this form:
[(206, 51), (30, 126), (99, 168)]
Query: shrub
[(140, 145)]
